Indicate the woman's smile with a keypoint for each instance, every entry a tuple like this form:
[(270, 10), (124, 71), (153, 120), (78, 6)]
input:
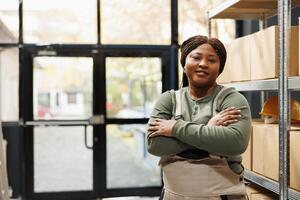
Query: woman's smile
[(201, 73), (202, 67)]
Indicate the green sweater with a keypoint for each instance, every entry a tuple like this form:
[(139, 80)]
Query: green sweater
[(192, 132)]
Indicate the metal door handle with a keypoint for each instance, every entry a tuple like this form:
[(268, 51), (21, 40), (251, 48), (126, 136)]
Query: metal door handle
[(85, 139), (94, 120)]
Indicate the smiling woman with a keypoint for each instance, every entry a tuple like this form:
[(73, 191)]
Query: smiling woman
[(202, 67), (200, 130)]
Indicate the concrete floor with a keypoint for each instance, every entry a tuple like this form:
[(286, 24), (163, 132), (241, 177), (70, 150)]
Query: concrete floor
[(122, 198), (133, 198)]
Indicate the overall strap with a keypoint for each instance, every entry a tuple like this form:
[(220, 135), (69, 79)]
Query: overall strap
[(178, 109)]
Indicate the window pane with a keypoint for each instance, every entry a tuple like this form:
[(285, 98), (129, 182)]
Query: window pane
[(9, 21), (9, 84), (63, 87), (133, 85), (57, 21), (193, 21), (135, 22), (61, 160), (128, 162)]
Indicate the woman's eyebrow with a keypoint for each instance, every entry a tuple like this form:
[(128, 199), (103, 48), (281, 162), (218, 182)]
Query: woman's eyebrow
[(198, 53), (210, 55)]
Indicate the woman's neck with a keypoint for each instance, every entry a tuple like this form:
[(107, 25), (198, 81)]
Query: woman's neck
[(200, 92)]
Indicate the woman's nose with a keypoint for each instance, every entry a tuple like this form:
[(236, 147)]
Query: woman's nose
[(203, 63)]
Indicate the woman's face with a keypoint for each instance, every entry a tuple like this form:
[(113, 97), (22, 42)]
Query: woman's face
[(202, 66)]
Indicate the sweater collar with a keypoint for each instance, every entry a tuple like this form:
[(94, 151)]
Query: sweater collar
[(205, 98)]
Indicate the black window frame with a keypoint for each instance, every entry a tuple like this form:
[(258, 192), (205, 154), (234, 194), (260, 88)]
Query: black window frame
[(20, 137)]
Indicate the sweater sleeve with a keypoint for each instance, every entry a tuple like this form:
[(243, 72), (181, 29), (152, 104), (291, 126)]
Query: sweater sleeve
[(161, 145), (228, 140)]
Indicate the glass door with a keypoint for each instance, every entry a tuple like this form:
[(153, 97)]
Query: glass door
[(85, 116), (132, 86), (59, 123), (62, 94)]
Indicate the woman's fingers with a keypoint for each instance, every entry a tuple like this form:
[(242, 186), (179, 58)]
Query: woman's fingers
[(154, 123), (226, 123), (153, 134), (229, 119), (227, 109), (231, 112), (228, 116), (152, 128)]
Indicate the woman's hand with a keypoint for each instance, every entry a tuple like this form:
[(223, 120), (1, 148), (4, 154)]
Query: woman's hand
[(161, 127), (225, 117)]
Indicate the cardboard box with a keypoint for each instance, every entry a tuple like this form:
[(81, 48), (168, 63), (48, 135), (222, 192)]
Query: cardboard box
[(258, 147), (271, 152), (255, 192), (265, 150), (295, 160), (265, 153), (264, 53), (237, 66), (247, 155)]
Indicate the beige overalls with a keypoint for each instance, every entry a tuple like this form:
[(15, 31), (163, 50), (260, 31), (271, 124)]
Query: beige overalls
[(203, 179), (208, 178)]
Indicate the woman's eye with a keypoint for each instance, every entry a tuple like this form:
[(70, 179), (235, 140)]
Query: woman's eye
[(196, 57), (212, 61)]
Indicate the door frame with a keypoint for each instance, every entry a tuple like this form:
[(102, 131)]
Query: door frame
[(98, 53), (136, 51), (26, 114)]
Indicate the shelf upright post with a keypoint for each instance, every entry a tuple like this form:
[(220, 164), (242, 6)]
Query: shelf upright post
[(284, 10), (264, 95)]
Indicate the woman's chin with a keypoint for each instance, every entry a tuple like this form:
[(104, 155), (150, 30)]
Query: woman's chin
[(203, 83)]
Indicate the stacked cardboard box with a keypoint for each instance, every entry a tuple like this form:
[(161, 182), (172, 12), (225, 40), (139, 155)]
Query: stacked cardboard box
[(295, 159), (237, 66), (247, 155), (265, 152), (264, 53), (256, 56)]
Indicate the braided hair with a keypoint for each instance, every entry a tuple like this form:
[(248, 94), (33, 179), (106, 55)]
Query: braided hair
[(193, 42)]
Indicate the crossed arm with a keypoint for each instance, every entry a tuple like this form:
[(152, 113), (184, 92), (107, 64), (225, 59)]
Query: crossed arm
[(227, 133), (163, 127)]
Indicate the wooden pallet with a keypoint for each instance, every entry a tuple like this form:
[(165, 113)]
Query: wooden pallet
[(4, 190)]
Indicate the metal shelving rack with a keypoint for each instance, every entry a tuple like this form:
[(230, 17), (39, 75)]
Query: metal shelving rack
[(269, 184), (264, 85), (246, 9), (260, 10)]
